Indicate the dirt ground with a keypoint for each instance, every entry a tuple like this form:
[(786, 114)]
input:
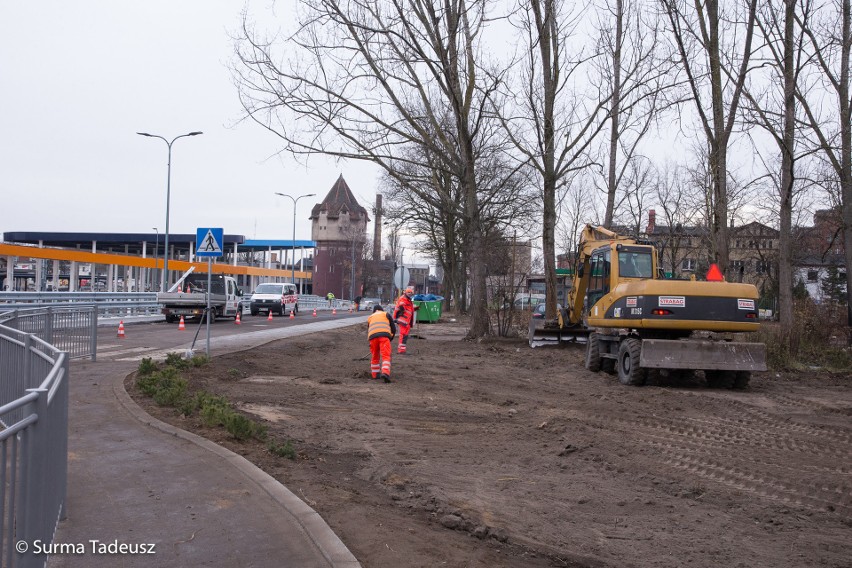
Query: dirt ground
[(486, 454)]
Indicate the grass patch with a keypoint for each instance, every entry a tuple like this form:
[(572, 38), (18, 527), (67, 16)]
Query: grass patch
[(285, 450), (167, 387)]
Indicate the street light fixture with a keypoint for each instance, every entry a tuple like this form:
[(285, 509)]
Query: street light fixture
[(295, 200), (168, 196), (156, 253)]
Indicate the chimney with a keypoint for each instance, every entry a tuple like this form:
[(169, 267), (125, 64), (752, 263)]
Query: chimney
[(652, 221), (377, 231)]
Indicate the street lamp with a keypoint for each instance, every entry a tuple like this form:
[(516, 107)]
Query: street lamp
[(156, 253), (295, 200), (168, 196)]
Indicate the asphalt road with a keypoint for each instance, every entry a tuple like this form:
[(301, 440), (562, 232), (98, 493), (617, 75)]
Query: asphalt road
[(157, 338)]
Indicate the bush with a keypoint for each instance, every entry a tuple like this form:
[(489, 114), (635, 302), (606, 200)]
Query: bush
[(285, 450), (168, 388), (819, 338), (243, 428), (147, 366)]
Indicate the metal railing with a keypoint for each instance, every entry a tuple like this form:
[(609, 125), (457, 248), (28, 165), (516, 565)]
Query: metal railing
[(34, 379), (73, 329), (117, 304)]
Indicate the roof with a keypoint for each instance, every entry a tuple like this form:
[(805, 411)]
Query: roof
[(116, 241), (266, 244), (339, 200)]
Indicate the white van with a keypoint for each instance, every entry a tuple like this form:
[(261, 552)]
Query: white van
[(276, 297)]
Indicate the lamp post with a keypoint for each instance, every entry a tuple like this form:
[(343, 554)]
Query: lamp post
[(168, 196), (295, 200), (156, 253)]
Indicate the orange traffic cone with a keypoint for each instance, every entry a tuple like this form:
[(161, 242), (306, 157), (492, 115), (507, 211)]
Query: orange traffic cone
[(181, 325), (315, 312), (291, 315), (237, 321), (269, 318), (121, 329), (180, 288), (334, 311)]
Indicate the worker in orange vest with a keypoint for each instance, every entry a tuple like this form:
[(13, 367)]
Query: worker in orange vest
[(403, 315), (380, 331)]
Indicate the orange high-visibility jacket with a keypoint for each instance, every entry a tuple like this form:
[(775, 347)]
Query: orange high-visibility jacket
[(404, 312), (380, 324)]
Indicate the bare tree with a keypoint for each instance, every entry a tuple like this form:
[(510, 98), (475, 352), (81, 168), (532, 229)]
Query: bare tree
[(829, 46), (637, 79), (367, 76), (552, 121), (715, 47), (771, 105)]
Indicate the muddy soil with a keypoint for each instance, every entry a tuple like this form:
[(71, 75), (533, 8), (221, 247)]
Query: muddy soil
[(484, 454)]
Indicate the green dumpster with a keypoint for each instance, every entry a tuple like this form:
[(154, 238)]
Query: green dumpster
[(429, 312)]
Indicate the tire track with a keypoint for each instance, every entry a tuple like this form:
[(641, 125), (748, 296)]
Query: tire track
[(698, 448)]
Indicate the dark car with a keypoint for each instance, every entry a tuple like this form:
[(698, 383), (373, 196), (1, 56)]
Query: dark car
[(538, 312)]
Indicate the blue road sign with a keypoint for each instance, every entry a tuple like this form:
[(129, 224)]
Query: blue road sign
[(209, 241)]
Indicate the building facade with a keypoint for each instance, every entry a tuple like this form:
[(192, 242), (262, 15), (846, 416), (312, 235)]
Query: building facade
[(339, 228)]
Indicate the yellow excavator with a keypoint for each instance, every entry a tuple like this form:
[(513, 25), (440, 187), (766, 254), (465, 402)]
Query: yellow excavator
[(633, 320)]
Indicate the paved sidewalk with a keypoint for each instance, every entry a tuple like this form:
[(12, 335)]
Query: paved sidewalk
[(134, 480)]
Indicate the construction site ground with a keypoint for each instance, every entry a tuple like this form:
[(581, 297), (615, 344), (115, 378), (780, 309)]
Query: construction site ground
[(492, 454)]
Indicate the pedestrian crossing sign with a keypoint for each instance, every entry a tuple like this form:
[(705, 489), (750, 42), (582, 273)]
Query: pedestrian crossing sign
[(209, 242)]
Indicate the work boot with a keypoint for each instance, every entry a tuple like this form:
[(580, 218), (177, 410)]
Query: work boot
[(386, 378)]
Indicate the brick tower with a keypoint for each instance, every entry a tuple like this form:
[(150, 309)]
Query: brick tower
[(339, 227)]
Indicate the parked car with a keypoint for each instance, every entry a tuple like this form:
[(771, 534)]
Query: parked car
[(529, 301), (538, 312), (368, 303)]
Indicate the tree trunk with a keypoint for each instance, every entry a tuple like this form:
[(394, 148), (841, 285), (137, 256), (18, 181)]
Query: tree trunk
[(612, 184), (846, 149), (785, 261), (718, 142)]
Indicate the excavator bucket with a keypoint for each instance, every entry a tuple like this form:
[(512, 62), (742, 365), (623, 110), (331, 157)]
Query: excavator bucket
[(707, 355), (541, 335)]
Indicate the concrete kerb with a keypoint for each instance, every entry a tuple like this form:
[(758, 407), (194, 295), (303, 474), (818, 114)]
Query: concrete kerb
[(313, 525)]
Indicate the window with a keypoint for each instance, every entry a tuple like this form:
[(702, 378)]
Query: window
[(813, 275), (598, 277), (635, 264), (688, 264), (738, 265), (762, 267)]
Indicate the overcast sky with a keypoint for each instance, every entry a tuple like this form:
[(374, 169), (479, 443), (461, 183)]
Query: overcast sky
[(79, 79)]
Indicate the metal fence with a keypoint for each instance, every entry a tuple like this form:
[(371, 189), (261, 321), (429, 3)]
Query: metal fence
[(34, 379), (73, 329), (109, 304)]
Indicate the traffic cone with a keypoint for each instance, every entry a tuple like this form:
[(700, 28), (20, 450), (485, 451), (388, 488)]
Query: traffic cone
[(180, 288), (334, 311), (291, 315), (237, 321), (270, 316), (121, 329), (315, 312), (181, 325)]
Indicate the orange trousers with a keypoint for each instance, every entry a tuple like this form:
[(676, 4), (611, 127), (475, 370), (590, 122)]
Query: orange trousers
[(380, 349), (404, 330)]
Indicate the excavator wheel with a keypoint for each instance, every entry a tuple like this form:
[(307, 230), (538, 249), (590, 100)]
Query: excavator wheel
[(629, 371), (741, 380), (593, 353)]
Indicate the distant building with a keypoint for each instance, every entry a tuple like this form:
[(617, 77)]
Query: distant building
[(820, 254), (339, 227)]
